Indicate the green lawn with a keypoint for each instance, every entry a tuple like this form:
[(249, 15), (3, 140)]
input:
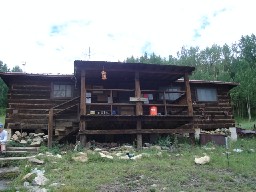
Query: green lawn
[(244, 123), (159, 171), (2, 119)]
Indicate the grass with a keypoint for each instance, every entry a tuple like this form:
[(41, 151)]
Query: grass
[(165, 171), (2, 119), (245, 123)]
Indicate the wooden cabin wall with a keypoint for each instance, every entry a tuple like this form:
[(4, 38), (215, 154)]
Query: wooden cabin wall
[(28, 102), (212, 115)]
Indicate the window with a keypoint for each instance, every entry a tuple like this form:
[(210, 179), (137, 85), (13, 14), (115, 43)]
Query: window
[(61, 91), (170, 96), (206, 94)]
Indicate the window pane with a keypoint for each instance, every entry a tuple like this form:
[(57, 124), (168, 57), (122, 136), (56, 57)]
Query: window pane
[(62, 90), (56, 87), (68, 91), (170, 96), (206, 94)]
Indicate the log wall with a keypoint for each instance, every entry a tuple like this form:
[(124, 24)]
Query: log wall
[(28, 102)]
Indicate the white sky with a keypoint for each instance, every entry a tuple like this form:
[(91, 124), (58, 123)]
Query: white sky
[(50, 34)]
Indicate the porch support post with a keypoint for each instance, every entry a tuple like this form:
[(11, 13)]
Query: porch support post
[(139, 110), (82, 124), (50, 128), (188, 95), (190, 105)]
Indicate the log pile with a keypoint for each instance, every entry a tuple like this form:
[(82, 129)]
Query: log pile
[(31, 139)]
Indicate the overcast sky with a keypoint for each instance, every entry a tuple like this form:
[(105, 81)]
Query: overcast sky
[(49, 34)]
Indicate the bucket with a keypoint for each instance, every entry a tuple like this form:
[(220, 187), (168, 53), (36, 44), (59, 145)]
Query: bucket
[(153, 110)]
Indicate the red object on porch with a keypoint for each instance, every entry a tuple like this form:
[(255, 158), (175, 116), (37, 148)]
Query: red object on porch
[(153, 110)]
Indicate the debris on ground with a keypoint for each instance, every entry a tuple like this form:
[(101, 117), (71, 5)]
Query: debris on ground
[(238, 150)]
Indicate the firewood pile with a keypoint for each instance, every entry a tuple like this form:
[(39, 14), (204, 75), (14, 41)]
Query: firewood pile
[(222, 131), (29, 139)]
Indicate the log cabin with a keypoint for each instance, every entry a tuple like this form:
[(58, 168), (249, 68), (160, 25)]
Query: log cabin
[(116, 102)]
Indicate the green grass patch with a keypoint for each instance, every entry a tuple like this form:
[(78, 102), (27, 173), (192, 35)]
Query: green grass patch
[(159, 171), (2, 119), (245, 123)]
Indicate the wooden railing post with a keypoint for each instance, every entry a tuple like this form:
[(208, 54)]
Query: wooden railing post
[(50, 128)]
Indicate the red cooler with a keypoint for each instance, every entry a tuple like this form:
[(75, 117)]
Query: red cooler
[(153, 110)]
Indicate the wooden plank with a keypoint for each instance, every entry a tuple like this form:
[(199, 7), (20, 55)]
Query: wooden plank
[(135, 131), (26, 126), (162, 91), (15, 158), (188, 94), (50, 128), (121, 90), (22, 148), (135, 99)]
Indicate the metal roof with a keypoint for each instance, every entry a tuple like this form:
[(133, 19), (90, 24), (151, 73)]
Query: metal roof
[(121, 69)]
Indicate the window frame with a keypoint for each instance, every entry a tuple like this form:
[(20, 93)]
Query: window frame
[(65, 84), (169, 88), (207, 88)]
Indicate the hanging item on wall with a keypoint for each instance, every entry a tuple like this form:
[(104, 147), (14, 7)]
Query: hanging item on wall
[(103, 74)]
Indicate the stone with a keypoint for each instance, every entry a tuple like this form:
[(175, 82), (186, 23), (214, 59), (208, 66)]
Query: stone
[(26, 184), (15, 137), (31, 135), (97, 149), (29, 177), (18, 133), (156, 147), (23, 141), (82, 157), (35, 143), (37, 161), (40, 180), (24, 134)]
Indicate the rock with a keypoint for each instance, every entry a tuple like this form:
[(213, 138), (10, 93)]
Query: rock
[(40, 134), (202, 160), (23, 141), (58, 156), (119, 154), (82, 157), (26, 184), (136, 157), (238, 150), (29, 177), (37, 161), (37, 139), (40, 180), (15, 137), (24, 134), (126, 147), (105, 156), (97, 149), (124, 157), (147, 145), (18, 133), (156, 147), (165, 148), (35, 143), (31, 135)]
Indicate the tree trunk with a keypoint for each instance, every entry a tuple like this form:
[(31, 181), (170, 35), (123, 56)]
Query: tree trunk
[(249, 108)]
